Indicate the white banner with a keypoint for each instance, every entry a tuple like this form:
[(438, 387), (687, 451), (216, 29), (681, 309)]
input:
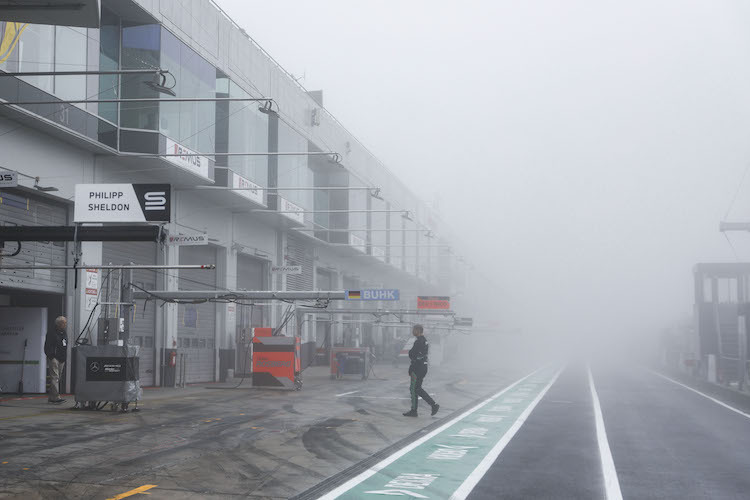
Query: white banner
[(184, 240), (296, 214), (249, 189), (196, 164), (8, 179), (286, 269)]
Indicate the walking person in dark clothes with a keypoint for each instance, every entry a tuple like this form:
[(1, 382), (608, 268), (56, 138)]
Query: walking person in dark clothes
[(418, 371), (56, 350)]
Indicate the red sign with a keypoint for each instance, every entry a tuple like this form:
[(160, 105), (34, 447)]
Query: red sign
[(443, 303), (262, 332)]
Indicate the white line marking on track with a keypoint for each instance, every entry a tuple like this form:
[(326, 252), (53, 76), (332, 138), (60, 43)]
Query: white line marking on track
[(740, 412), (377, 397), (481, 469), (345, 394), (611, 483), (406, 449)]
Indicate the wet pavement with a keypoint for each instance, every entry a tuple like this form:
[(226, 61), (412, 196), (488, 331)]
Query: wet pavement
[(575, 432), (207, 442)]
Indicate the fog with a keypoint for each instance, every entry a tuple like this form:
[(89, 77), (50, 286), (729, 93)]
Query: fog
[(584, 152)]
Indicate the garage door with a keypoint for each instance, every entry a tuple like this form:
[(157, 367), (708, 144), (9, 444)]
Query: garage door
[(20, 209), (299, 254), (252, 274), (196, 327), (143, 320)]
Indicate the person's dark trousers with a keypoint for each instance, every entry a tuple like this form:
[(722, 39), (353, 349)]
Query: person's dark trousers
[(417, 391)]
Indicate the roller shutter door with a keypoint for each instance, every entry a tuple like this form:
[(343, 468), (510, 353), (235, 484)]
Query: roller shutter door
[(143, 320), (299, 254), (350, 325), (252, 274), (323, 283), (196, 327), (20, 209)]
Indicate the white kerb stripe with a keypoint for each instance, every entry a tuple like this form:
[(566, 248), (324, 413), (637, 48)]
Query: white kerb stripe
[(611, 483), (345, 393), (406, 449), (740, 412), (481, 469)]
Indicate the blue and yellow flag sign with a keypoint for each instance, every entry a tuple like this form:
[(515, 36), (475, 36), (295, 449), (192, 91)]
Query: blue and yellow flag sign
[(10, 33)]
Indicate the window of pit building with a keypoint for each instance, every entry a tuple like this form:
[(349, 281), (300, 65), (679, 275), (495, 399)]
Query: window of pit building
[(28, 47), (321, 198), (378, 222), (727, 288), (70, 55), (294, 170), (141, 44), (109, 60), (358, 218), (241, 128), (185, 122)]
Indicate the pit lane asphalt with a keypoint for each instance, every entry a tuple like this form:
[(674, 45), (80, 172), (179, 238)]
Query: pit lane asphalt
[(204, 443), (666, 442), (664, 439)]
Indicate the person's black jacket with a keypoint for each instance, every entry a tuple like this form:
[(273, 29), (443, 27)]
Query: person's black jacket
[(56, 345), (418, 356)]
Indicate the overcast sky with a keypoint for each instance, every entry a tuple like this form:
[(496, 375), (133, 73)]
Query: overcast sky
[(584, 151)]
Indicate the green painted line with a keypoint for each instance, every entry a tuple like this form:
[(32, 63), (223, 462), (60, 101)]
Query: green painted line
[(449, 461)]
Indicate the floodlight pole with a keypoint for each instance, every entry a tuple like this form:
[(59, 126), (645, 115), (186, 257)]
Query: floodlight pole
[(363, 229), (41, 267), (141, 99), (282, 153), (222, 188), (154, 71), (329, 211)]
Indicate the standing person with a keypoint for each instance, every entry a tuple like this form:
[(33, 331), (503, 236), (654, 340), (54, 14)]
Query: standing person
[(56, 349), (418, 371)]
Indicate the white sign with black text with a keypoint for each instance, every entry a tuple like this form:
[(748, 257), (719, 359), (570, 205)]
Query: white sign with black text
[(8, 179), (292, 211), (286, 269), (188, 159), (91, 289), (122, 203), (247, 189), (185, 240)]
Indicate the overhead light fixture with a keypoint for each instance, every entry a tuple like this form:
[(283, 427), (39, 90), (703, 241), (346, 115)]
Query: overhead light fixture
[(45, 189), (266, 107), (407, 215), (375, 193), (429, 234), (159, 83)]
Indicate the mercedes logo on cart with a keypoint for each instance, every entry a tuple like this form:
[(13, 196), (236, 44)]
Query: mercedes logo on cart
[(94, 367)]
